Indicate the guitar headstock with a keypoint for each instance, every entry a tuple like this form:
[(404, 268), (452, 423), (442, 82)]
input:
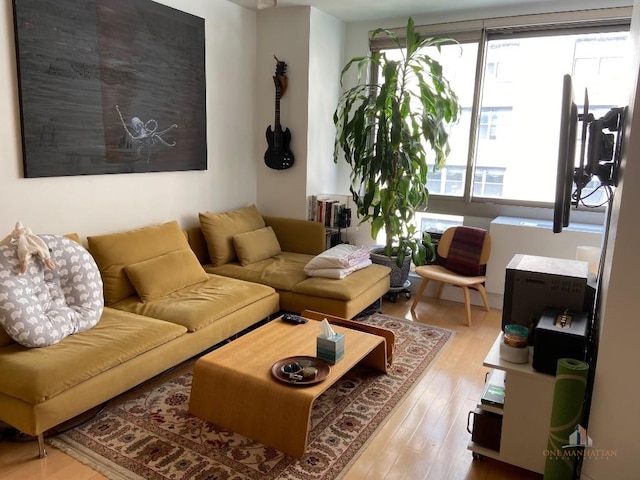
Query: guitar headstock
[(280, 77)]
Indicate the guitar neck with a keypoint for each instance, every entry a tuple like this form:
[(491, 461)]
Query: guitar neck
[(276, 124)]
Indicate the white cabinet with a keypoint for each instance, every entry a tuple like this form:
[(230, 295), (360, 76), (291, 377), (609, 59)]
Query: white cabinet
[(526, 413)]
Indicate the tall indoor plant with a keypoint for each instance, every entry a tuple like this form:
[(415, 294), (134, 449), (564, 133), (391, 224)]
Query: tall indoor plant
[(387, 130)]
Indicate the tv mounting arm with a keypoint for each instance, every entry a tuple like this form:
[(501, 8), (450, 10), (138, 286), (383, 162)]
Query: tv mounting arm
[(604, 149)]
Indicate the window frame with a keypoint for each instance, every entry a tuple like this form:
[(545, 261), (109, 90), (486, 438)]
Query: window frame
[(482, 31)]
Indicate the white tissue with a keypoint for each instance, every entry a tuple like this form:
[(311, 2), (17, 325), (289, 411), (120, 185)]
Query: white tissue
[(327, 331)]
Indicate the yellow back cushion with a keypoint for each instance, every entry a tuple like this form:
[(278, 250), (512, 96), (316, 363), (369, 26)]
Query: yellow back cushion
[(167, 273), (220, 228), (256, 245), (114, 251)]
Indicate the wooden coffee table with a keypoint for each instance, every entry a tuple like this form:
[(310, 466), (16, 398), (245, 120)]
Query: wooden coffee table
[(234, 388)]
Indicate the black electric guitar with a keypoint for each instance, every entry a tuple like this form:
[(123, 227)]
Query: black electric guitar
[(278, 155)]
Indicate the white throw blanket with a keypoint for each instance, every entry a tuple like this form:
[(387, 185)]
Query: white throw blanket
[(340, 256), (337, 272), (338, 261)]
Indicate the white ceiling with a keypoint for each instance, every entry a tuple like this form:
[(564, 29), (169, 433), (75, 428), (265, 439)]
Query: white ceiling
[(365, 10)]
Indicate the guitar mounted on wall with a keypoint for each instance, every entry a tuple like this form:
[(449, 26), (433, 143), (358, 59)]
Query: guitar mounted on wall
[(278, 155)]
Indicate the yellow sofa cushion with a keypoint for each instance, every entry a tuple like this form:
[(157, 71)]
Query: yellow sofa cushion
[(38, 374), (281, 272), (220, 228), (256, 245), (114, 251), (345, 289), (201, 304), (298, 236), (167, 273)]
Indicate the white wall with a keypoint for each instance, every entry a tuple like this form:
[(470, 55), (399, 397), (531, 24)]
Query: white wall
[(311, 43), (615, 412), (105, 203), (326, 48), (283, 32)]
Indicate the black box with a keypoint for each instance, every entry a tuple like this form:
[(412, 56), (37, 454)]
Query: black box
[(553, 341), (487, 428)]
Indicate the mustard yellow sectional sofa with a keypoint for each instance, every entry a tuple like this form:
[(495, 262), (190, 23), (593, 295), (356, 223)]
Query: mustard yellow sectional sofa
[(170, 295)]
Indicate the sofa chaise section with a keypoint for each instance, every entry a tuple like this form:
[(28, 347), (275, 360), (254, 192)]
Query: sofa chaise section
[(298, 241)]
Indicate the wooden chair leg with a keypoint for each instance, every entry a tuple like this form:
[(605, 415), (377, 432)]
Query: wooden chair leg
[(419, 293), (483, 294), (467, 304), (440, 289)]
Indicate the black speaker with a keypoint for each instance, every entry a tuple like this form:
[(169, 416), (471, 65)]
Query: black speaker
[(560, 333)]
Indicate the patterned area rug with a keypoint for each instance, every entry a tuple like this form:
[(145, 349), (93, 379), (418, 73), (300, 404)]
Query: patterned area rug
[(152, 435)]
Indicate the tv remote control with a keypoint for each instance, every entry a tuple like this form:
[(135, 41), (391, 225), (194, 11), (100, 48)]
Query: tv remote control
[(295, 319)]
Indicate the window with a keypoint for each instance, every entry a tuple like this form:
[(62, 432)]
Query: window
[(504, 148), (494, 122), (436, 223), (526, 152), (488, 181)]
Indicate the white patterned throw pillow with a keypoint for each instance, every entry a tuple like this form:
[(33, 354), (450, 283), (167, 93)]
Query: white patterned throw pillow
[(42, 306)]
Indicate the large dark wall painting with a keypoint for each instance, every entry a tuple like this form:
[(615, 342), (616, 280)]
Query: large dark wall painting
[(110, 86)]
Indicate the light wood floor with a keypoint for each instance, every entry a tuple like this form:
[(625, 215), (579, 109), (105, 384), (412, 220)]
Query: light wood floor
[(425, 438)]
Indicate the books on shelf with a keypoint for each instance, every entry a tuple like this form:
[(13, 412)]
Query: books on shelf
[(325, 208)]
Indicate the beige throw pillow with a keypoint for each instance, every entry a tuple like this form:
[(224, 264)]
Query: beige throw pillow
[(257, 245), (220, 228), (167, 273)]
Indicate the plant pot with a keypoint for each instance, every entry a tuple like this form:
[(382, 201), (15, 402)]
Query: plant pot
[(399, 275)]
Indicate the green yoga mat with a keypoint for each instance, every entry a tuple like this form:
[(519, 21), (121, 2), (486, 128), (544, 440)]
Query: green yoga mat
[(566, 414)]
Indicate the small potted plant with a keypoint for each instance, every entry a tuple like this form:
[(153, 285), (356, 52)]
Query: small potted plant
[(386, 131)]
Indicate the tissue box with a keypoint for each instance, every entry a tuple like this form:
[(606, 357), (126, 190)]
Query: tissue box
[(330, 350)]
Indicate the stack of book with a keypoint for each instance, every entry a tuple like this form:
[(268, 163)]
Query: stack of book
[(326, 208)]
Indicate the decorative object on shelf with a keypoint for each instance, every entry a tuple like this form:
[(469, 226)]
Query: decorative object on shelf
[(559, 333), (386, 131), (107, 90), (279, 155), (515, 346)]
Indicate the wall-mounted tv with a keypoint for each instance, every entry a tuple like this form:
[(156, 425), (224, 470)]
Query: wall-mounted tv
[(601, 159), (566, 156)]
